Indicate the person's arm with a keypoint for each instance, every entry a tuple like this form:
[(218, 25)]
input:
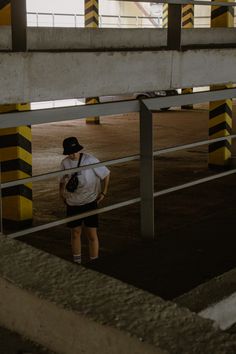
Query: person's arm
[(104, 191), (62, 190), (62, 184)]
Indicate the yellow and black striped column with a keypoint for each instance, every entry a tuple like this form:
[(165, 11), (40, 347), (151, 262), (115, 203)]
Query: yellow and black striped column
[(220, 115), (164, 15), (16, 160), (187, 22), (92, 21)]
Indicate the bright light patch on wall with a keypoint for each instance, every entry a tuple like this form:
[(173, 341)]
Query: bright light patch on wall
[(59, 103)]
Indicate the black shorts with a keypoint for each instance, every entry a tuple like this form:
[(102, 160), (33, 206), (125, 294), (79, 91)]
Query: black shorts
[(89, 221)]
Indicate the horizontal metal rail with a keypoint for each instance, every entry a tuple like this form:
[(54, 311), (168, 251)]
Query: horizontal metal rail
[(112, 162), (15, 119), (82, 15), (118, 205), (151, 104), (72, 218), (194, 183), (186, 2)]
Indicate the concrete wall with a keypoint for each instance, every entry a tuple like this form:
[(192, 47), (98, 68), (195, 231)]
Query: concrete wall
[(72, 310)]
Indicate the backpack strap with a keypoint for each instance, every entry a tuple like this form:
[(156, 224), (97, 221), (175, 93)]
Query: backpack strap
[(80, 158)]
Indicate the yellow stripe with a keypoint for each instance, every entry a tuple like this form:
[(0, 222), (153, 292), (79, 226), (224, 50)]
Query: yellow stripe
[(225, 20), (15, 152), (215, 104), (23, 106), (17, 208), (89, 3), (220, 134), (24, 131), (220, 119), (5, 16), (4, 108), (14, 175), (219, 157), (92, 15)]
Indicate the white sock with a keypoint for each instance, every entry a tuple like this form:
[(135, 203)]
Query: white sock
[(92, 258), (77, 258)]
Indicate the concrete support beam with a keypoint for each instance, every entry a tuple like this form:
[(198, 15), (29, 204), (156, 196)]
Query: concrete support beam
[(28, 77), (70, 309)]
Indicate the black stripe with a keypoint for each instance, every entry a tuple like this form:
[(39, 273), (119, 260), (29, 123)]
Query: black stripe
[(90, 9), (187, 21), (221, 11), (91, 20), (22, 190), (219, 127), (215, 146), (223, 108), (17, 164), (189, 11), (3, 3), (15, 140)]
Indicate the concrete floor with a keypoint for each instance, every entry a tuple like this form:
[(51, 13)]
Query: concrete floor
[(194, 227)]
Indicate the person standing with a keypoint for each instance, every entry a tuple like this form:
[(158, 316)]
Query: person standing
[(86, 197)]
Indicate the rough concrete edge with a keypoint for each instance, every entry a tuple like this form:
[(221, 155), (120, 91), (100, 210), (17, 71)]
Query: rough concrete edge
[(209, 293), (60, 330), (97, 303)]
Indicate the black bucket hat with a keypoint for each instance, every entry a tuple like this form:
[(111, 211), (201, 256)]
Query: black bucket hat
[(71, 146)]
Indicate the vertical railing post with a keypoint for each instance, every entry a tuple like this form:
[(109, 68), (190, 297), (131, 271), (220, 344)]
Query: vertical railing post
[(1, 223), (146, 172), (19, 25), (174, 27)]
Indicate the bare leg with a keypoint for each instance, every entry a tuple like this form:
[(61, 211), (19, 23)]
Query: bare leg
[(75, 240), (91, 233)]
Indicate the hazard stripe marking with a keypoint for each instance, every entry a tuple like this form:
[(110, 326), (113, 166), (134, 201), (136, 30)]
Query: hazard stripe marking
[(184, 23), (220, 144), (3, 3), (224, 108), (90, 9), (22, 190), (15, 140), (221, 11), (187, 12), (17, 164), (219, 127), (91, 21)]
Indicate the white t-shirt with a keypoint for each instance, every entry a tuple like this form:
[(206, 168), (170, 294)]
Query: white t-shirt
[(89, 180)]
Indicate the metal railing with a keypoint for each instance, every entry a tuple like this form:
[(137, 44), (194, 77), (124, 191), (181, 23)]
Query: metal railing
[(43, 19), (146, 155)]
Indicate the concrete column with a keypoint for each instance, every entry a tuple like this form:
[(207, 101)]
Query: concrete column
[(187, 22), (92, 21), (220, 116), (16, 160)]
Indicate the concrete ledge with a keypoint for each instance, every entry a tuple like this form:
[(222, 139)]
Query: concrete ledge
[(215, 300), (70, 309), (114, 38)]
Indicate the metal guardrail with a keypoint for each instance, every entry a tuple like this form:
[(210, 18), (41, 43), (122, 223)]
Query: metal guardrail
[(77, 20), (105, 21), (146, 155)]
